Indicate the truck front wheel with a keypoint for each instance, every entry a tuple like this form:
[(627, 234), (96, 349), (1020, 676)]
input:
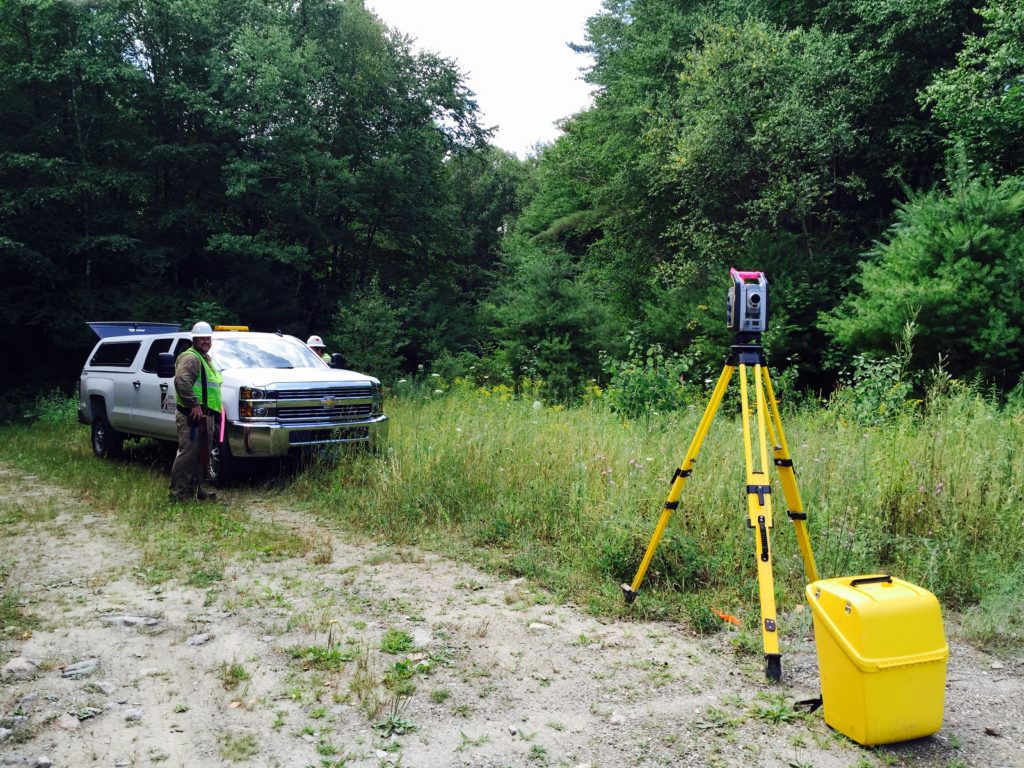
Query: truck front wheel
[(106, 441)]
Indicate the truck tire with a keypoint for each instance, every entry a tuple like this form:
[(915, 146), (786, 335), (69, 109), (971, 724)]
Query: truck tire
[(221, 466), (107, 442)]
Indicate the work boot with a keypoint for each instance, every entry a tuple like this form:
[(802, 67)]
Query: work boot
[(202, 495)]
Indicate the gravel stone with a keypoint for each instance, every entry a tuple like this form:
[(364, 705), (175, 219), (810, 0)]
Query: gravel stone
[(19, 668)]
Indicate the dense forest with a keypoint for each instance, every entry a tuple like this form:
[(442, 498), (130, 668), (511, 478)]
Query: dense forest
[(297, 165)]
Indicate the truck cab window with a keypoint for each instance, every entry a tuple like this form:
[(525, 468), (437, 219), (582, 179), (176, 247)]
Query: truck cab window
[(116, 354), (158, 346)]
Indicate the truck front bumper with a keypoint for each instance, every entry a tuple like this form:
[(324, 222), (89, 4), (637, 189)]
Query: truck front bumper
[(255, 440)]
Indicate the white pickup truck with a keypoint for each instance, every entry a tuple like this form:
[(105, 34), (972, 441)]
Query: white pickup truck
[(278, 395)]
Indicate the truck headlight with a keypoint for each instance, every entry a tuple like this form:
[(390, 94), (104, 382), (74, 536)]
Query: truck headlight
[(256, 403), (377, 393)]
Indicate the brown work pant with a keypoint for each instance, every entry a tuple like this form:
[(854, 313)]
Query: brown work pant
[(187, 472)]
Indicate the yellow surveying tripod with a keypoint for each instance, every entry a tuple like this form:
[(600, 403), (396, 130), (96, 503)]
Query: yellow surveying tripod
[(747, 316)]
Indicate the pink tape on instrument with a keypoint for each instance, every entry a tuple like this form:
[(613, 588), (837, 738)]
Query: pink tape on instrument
[(745, 275)]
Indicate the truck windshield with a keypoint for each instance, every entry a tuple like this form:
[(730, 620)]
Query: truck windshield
[(262, 352)]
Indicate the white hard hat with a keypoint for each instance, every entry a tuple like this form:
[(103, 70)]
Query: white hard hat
[(201, 329), (315, 341)]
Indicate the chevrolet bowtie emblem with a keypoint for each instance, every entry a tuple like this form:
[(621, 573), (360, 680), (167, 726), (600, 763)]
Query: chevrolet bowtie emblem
[(327, 402)]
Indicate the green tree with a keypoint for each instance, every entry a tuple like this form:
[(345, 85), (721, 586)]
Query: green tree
[(71, 191), (549, 319), (980, 101), (953, 263), (764, 140), (367, 331), (442, 310), (267, 157)]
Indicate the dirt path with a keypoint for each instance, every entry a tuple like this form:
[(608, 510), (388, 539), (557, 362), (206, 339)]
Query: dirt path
[(281, 664)]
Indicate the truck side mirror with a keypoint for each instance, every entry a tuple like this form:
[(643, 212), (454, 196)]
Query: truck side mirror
[(165, 365), (337, 360)]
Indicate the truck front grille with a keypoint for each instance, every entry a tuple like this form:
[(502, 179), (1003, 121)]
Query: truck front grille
[(319, 413), (342, 393), (326, 405)]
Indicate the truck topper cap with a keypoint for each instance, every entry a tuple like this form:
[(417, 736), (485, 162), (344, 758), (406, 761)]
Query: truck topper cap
[(106, 329)]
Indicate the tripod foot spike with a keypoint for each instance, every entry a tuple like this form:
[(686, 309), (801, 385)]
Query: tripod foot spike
[(629, 593), (773, 666)]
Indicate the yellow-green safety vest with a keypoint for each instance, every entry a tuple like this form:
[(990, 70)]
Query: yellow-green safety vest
[(211, 382)]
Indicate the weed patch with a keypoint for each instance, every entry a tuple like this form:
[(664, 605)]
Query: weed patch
[(395, 723), (322, 657), (239, 748), (396, 641), (231, 675)]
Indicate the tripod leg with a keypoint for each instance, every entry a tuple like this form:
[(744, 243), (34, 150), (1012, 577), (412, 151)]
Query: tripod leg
[(678, 482), (787, 479), (759, 511)]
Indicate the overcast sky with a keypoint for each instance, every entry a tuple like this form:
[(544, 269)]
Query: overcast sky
[(514, 54)]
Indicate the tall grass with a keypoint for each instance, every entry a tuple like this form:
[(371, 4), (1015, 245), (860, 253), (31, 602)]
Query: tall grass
[(569, 497)]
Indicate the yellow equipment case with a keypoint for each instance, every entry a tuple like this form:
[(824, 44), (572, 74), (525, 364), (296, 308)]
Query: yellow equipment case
[(882, 657)]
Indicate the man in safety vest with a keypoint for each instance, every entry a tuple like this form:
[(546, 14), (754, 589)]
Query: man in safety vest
[(317, 345), (197, 397)]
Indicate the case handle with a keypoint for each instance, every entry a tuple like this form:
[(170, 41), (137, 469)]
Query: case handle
[(871, 580)]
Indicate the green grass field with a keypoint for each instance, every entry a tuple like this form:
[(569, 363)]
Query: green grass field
[(569, 498)]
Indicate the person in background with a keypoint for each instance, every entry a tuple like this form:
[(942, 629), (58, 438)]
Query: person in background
[(197, 398), (317, 345)]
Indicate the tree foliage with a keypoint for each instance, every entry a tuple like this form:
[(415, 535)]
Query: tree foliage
[(267, 157), (285, 161), (980, 101), (953, 264), (772, 136)]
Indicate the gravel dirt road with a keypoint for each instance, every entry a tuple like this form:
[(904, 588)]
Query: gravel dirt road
[(361, 655)]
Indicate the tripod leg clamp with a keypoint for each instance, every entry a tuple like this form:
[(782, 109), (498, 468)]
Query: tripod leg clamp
[(680, 472), (629, 593)]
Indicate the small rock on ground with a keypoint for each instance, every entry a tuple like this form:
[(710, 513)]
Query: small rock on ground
[(67, 722), (19, 668), (81, 668), (129, 621)]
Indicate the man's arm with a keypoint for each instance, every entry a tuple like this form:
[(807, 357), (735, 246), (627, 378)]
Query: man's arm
[(186, 370)]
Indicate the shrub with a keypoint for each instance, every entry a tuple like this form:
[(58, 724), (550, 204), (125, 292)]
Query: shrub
[(56, 409), (648, 382), (877, 390)]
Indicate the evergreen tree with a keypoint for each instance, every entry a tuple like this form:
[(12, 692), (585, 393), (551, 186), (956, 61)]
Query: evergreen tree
[(953, 264)]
